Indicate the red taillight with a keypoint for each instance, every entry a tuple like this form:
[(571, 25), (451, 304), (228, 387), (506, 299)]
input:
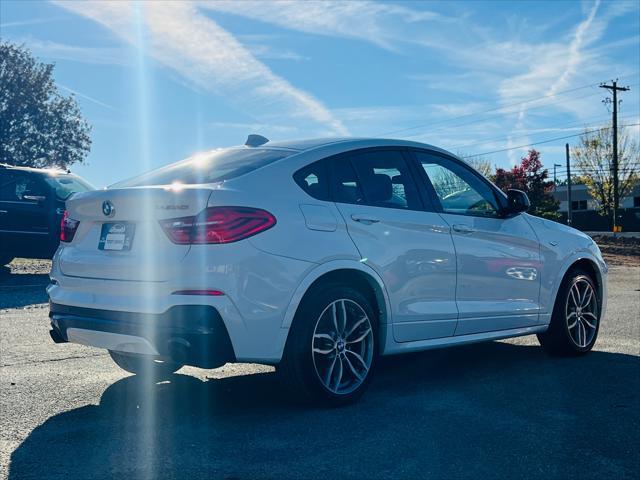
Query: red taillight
[(218, 225), (68, 227)]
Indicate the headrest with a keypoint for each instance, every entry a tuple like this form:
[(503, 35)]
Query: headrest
[(380, 187)]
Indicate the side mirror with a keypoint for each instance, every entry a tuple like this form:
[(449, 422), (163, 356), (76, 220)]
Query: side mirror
[(518, 201)]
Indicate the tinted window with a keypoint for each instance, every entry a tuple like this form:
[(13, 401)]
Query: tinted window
[(458, 189), (209, 167), (386, 179), (65, 185), (313, 179), (346, 187), (13, 187)]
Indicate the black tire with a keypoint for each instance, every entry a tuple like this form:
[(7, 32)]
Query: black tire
[(560, 339), (145, 365), (5, 259), (297, 370)]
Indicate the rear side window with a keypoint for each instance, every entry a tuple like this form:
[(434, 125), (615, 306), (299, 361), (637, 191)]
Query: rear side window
[(209, 167), (386, 179), (314, 180), (14, 186)]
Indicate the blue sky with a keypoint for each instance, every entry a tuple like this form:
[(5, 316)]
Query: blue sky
[(160, 81)]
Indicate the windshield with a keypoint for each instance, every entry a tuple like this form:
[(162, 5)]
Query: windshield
[(67, 184), (208, 167)]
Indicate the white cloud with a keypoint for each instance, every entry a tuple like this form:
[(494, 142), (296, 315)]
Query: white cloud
[(178, 36), (74, 53), (369, 21)]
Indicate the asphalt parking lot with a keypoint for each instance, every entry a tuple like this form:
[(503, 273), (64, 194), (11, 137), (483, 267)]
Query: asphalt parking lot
[(496, 410)]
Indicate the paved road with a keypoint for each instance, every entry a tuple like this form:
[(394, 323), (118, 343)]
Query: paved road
[(497, 410)]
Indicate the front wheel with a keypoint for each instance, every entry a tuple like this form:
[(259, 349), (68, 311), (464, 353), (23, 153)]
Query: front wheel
[(576, 317), (144, 365), (332, 347)]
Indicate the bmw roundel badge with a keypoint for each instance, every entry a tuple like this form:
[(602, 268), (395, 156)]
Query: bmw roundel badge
[(108, 209)]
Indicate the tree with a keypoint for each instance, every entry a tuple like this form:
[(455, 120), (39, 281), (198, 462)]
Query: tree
[(593, 159), (478, 162), (39, 127), (531, 178)]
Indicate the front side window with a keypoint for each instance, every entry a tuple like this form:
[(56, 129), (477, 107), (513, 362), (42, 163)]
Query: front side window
[(458, 190), (386, 179)]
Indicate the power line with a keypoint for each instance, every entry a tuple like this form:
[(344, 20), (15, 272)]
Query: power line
[(499, 115), (544, 141), (489, 140), (486, 111)]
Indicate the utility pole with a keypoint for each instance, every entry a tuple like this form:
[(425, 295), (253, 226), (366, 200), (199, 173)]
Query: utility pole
[(555, 184), (616, 199), (569, 203)]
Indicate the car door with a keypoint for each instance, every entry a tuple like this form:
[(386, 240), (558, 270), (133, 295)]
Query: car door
[(399, 236), (498, 257), (24, 216)]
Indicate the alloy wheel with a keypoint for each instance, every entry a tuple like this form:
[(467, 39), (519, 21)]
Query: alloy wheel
[(581, 312), (342, 346)]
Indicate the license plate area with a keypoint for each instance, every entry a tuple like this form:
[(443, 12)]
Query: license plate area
[(117, 236)]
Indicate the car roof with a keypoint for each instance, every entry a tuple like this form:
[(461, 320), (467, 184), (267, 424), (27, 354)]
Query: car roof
[(43, 171), (303, 145)]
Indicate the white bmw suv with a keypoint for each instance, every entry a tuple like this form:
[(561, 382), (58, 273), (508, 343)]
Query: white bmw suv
[(316, 256)]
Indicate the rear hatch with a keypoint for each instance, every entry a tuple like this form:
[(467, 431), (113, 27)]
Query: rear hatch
[(119, 236)]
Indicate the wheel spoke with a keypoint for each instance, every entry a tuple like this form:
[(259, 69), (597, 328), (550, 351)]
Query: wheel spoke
[(570, 326), (334, 313), (340, 371), (582, 330), (352, 368), (326, 336), (327, 380), (573, 297), (323, 351), (587, 300), (584, 318), (344, 317), (361, 337), (358, 323), (360, 359)]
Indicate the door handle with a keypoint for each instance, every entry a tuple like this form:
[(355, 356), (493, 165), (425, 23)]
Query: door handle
[(2, 212), (367, 220), (462, 228)]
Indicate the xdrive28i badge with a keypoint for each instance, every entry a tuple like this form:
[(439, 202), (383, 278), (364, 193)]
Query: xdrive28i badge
[(108, 209)]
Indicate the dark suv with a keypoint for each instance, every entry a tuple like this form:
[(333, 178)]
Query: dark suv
[(31, 207)]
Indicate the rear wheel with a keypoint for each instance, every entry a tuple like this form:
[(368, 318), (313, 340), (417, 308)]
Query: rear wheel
[(576, 317), (144, 365), (332, 347)]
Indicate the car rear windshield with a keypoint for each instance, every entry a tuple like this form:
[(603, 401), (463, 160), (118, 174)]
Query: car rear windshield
[(66, 184), (208, 167)]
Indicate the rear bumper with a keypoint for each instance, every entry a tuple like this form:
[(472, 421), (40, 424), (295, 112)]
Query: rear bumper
[(189, 334)]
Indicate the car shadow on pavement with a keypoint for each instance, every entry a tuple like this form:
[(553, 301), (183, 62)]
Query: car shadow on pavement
[(492, 410), (22, 289)]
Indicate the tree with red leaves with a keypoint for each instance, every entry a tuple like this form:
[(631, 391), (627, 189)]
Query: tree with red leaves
[(531, 178)]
